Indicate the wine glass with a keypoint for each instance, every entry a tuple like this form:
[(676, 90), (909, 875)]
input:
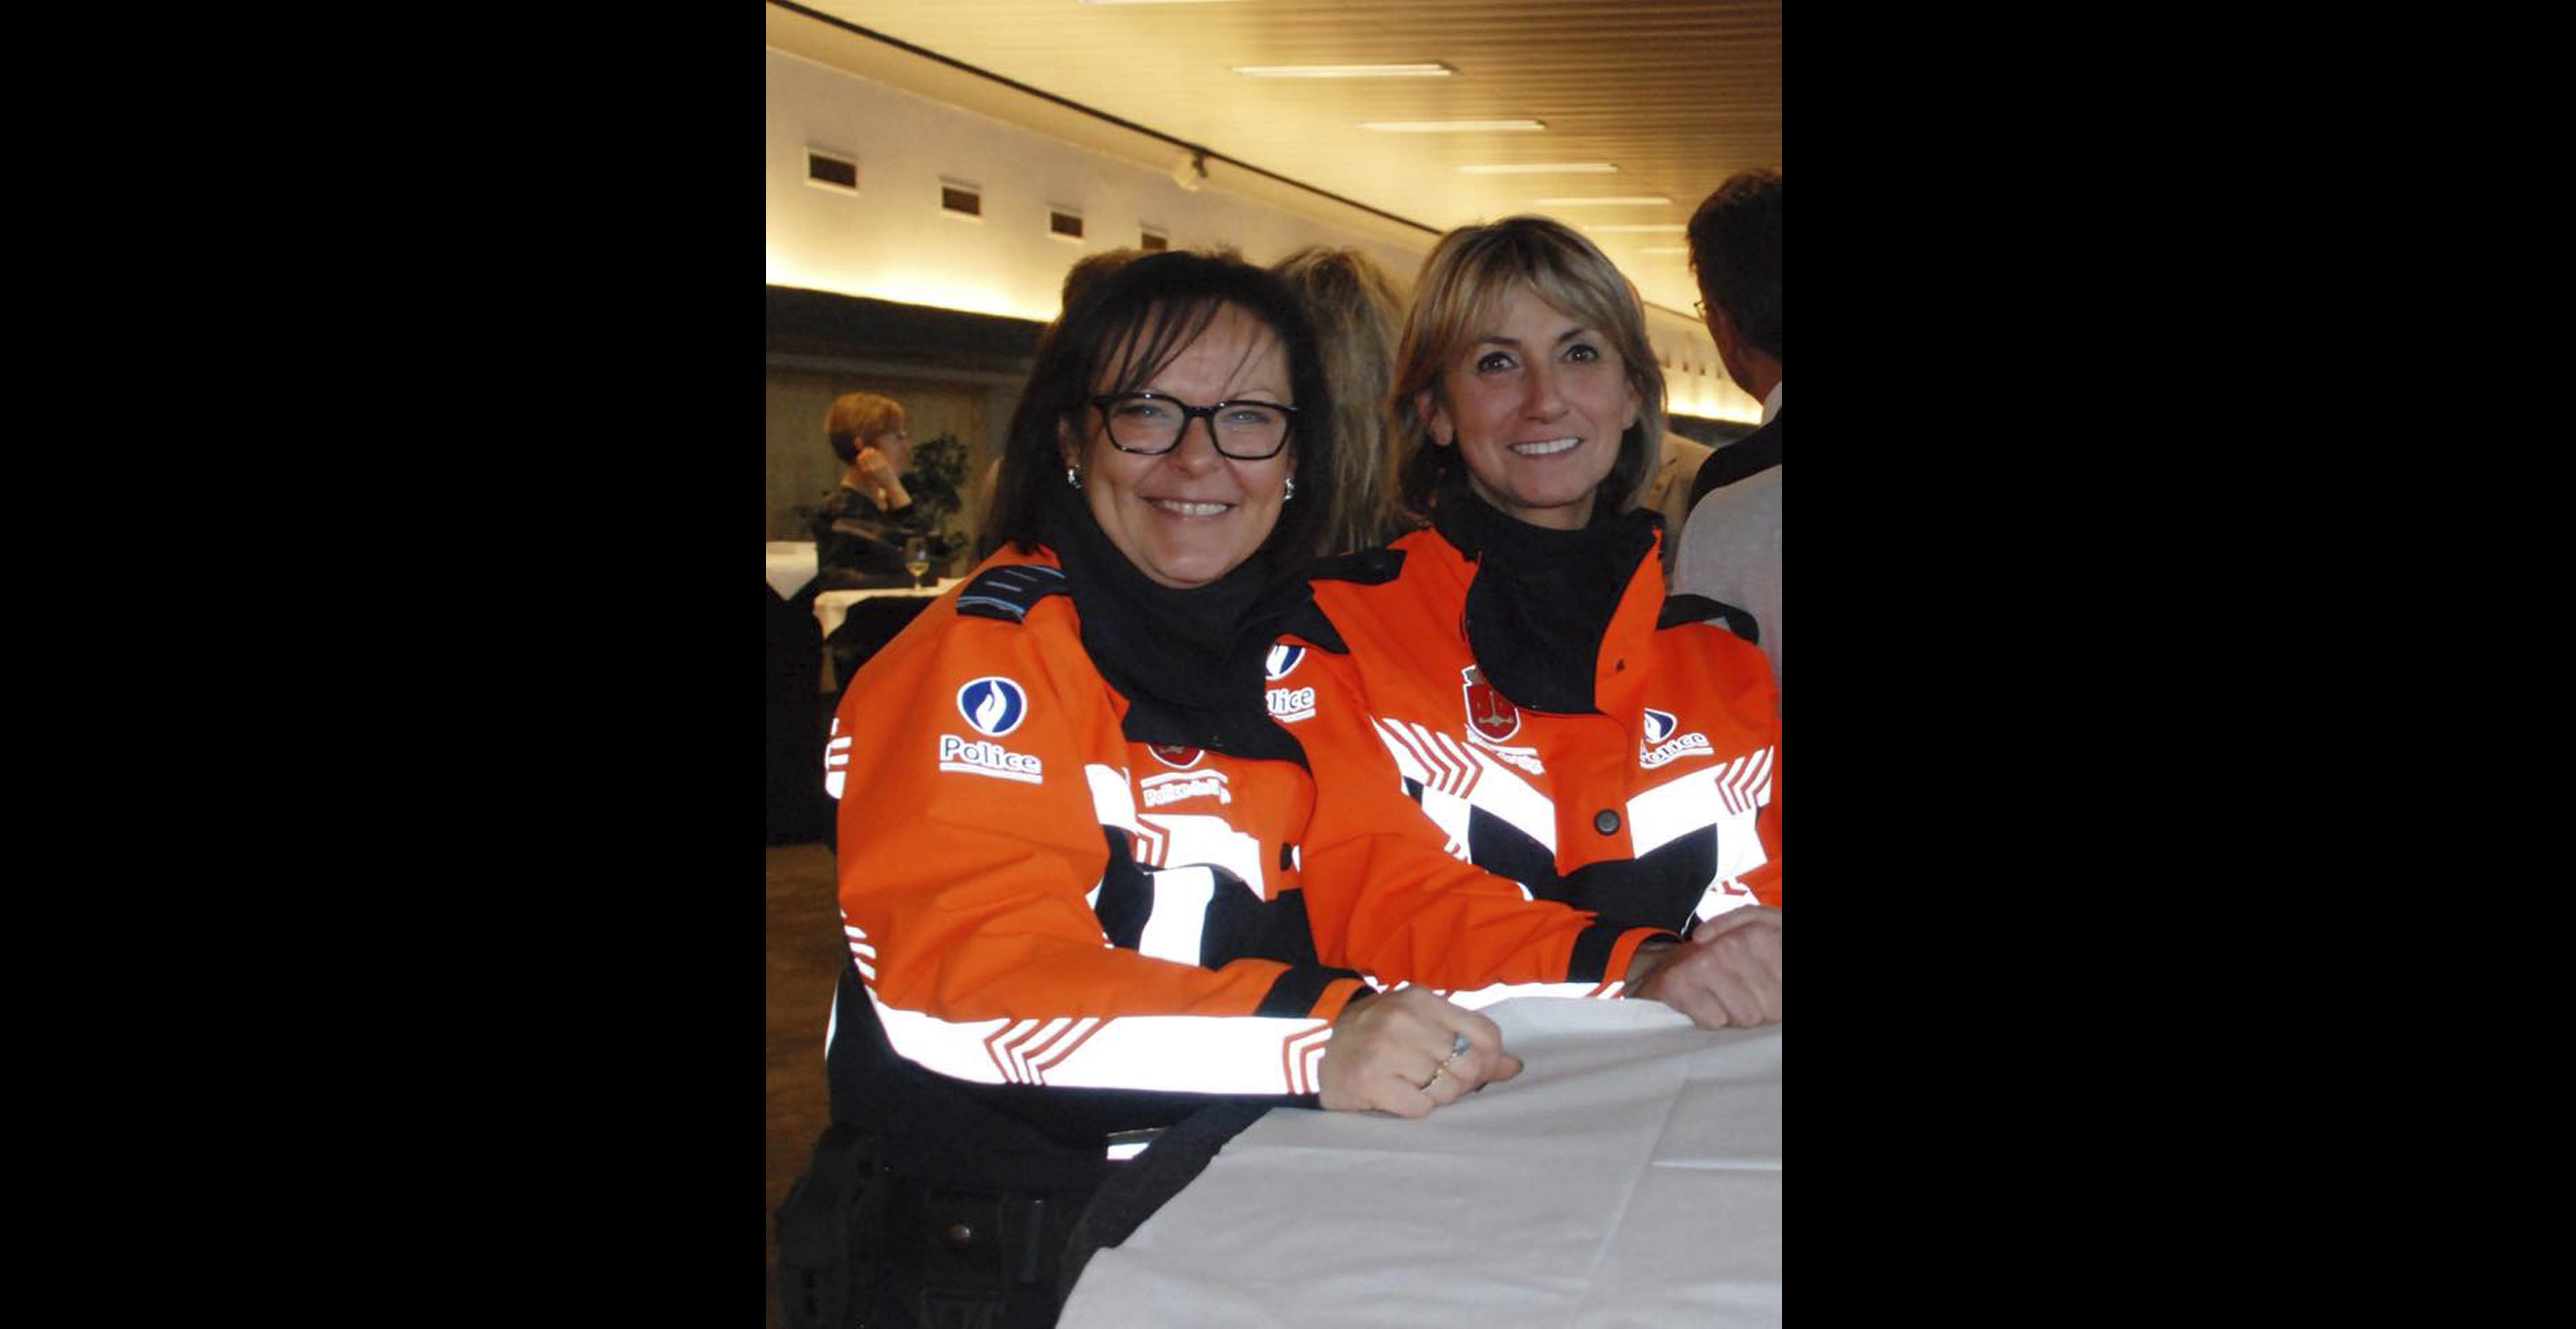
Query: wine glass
[(916, 557)]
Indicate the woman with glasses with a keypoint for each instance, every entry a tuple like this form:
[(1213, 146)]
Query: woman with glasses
[(1552, 713), (1092, 884)]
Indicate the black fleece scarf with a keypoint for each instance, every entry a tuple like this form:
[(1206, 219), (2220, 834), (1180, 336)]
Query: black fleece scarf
[(1541, 598), (1189, 662)]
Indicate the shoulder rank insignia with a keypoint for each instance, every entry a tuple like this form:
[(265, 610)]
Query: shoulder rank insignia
[(1368, 567), (1010, 591), (1680, 609)]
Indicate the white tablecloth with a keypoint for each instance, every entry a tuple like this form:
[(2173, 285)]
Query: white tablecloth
[(831, 607), (791, 565), (1630, 1175)]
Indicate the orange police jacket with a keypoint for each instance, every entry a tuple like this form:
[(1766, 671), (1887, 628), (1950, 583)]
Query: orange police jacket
[(1033, 898), (1660, 807)]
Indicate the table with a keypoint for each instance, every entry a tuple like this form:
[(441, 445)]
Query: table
[(791, 565), (1629, 1175), (830, 607)]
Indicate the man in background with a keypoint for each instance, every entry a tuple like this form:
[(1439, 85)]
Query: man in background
[(1730, 546)]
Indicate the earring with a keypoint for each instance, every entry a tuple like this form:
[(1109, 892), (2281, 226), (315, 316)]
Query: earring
[(1073, 476), (1291, 490)]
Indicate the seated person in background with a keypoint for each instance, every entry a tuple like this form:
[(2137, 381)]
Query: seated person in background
[(1356, 310), (1547, 708), (859, 534)]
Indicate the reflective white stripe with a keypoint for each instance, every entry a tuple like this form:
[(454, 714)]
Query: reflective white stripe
[(1455, 776), (1501, 792), (1303, 1057), (862, 952), (1112, 801), (1470, 777), (1189, 839), (1726, 798), (1409, 763), (1683, 805), (1751, 787), (1745, 792), (1216, 1054), (1179, 913), (1476, 998)]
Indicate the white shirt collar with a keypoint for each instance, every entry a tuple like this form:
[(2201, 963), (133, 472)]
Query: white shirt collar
[(1771, 404)]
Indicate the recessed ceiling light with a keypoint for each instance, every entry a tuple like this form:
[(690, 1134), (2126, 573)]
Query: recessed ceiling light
[(1624, 200), (1643, 228), (1453, 126), (1541, 168), (1432, 70)]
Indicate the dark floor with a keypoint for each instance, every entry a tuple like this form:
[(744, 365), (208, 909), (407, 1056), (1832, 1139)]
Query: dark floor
[(805, 959)]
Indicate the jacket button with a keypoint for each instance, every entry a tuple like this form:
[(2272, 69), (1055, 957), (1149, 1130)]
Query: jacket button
[(1606, 822), (960, 1236)]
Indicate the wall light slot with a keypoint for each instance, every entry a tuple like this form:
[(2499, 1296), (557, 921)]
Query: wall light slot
[(961, 198), (831, 170), (1061, 221)]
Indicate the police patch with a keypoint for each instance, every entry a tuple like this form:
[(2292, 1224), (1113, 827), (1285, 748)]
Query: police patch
[(993, 704), (1283, 658), (1659, 725), (1174, 755)]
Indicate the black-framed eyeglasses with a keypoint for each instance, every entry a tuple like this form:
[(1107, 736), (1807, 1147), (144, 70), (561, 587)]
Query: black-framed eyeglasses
[(1150, 424)]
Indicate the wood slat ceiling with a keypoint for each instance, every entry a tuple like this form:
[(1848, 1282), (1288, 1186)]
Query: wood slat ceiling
[(1679, 94)]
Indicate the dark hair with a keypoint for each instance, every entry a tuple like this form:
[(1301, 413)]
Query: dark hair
[(1735, 252), (1117, 334), (1467, 277), (1092, 267)]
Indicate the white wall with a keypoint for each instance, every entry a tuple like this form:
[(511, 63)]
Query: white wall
[(892, 241)]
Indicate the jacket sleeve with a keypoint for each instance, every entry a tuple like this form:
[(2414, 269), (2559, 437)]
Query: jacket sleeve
[(1385, 896), (970, 854)]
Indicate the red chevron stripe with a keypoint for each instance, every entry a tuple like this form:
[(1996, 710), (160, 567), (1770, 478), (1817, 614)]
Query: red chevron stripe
[(1002, 1036), (1088, 1028)]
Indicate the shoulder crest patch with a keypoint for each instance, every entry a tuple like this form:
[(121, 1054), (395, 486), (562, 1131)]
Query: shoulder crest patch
[(993, 704)]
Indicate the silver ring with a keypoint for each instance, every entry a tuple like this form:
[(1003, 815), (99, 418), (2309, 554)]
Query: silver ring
[(1457, 1049)]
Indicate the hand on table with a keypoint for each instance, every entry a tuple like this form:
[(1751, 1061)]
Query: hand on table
[(1726, 976), (1392, 1051)]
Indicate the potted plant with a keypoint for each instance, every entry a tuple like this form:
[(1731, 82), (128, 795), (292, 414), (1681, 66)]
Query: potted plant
[(938, 470)]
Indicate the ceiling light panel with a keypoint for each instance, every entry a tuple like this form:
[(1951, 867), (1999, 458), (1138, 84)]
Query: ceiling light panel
[(1540, 168), (1431, 70), (1454, 126)]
